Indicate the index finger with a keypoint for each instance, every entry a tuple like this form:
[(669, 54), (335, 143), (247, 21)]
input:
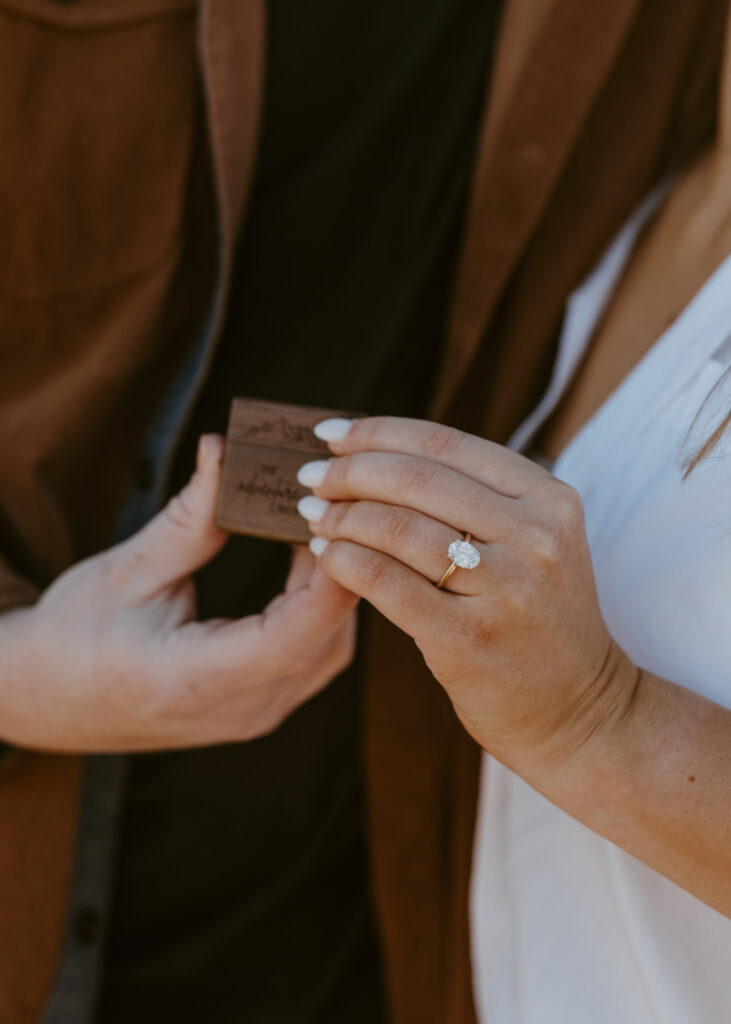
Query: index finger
[(488, 463)]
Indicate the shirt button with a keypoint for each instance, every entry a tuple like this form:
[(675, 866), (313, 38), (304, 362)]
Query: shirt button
[(86, 926), (144, 474)]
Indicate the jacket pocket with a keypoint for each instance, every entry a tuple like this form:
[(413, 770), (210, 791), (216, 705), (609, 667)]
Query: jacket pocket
[(97, 108)]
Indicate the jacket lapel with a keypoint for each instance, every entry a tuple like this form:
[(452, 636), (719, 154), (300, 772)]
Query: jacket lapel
[(232, 45), (564, 51)]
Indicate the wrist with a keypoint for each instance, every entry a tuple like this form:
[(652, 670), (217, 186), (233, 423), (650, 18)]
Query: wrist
[(604, 711), (588, 742)]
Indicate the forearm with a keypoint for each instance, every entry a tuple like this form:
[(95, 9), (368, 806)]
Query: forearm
[(655, 779)]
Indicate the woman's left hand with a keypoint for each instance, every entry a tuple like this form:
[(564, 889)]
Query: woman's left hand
[(518, 642)]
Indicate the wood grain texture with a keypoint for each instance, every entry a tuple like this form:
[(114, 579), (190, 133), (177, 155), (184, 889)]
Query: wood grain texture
[(267, 442)]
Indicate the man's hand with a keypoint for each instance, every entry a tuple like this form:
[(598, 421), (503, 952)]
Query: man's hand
[(113, 659)]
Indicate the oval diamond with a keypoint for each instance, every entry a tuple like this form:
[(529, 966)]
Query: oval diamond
[(464, 554)]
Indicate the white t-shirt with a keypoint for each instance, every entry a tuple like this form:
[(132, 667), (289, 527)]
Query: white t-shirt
[(566, 927)]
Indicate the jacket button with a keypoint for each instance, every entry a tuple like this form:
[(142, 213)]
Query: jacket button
[(86, 926)]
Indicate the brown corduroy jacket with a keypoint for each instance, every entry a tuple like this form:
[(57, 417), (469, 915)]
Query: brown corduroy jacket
[(105, 268)]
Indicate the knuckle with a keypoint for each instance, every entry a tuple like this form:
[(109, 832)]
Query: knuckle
[(179, 511), (514, 603), (302, 652), (417, 475), (286, 659), (568, 506), (156, 701), (545, 547), (370, 432), (471, 629), (468, 629), (184, 603), (398, 525), (337, 518), (180, 703), (344, 473), (184, 698), (374, 572), (481, 627), (364, 432), (336, 558), (440, 440)]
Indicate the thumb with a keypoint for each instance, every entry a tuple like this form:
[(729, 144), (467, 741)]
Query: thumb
[(184, 536), (301, 568)]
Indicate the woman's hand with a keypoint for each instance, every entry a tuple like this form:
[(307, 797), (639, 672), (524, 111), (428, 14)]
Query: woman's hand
[(518, 642), (111, 657)]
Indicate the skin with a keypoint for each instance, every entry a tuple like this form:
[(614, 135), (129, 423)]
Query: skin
[(111, 658), (520, 645)]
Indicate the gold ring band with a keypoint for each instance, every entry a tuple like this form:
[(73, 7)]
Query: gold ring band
[(452, 567)]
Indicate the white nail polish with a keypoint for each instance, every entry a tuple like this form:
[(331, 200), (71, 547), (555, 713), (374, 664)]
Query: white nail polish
[(313, 473), (318, 545), (312, 508), (333, 429)]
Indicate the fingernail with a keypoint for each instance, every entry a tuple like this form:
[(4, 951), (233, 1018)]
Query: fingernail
[(333, 429), (312, 508), (313, 473), (318, 545)]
